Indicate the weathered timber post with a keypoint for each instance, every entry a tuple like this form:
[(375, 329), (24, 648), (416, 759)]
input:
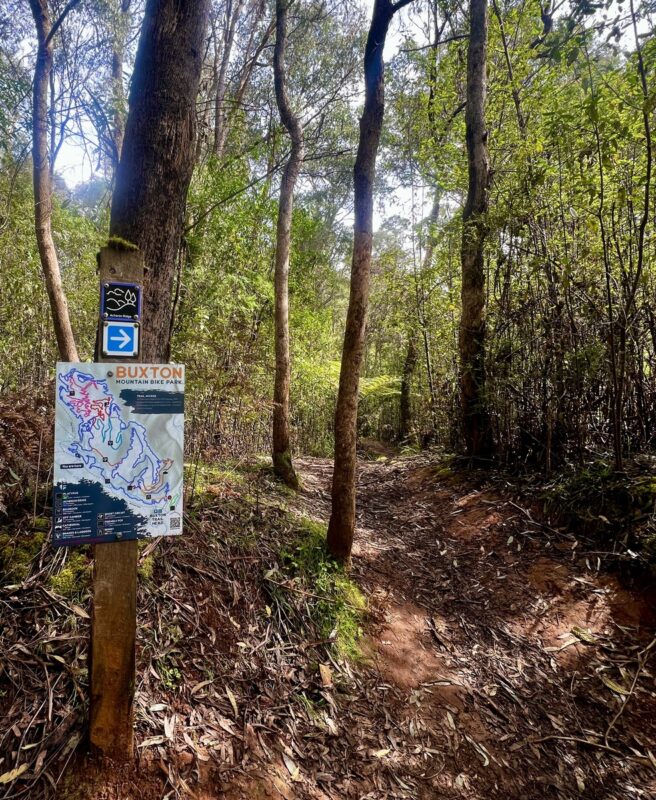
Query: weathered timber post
[(114, 613)]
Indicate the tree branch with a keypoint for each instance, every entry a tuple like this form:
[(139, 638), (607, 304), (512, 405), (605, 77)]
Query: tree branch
[(69, 7), (399, 5)]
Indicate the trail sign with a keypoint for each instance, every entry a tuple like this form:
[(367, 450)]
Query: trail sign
[(120, 301), (120, 339), (118, 452)]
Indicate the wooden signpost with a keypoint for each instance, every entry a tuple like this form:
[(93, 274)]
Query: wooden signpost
[(114, 614), (118, 477)]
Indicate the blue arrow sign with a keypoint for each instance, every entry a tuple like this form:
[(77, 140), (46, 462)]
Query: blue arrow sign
[(120, 339)]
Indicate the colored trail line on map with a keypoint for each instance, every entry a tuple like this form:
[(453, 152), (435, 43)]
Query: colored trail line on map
[(116, 450)]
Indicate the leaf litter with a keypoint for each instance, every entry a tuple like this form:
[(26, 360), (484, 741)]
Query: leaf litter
[(487, 671)]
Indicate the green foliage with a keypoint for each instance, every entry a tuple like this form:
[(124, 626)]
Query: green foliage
[(145, 568), (27, 340), (608, 505), (564, 119), (338, 604), (169, 672), (380, 387)]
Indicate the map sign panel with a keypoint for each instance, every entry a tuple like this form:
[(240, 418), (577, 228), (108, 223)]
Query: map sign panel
[(118, 452)]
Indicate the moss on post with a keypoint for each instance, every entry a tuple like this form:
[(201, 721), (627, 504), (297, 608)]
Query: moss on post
[(122, 245)]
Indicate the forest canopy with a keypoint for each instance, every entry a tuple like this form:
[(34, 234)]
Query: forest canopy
[(568, 246)]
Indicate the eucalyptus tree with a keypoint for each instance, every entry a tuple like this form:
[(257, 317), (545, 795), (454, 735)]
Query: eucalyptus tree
[(475, 415), (342, 519), (158, 154), (148, 208), (282, 460), (46, 30), (235, 52)]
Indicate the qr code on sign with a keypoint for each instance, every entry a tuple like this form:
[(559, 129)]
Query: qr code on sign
[(174, 523)]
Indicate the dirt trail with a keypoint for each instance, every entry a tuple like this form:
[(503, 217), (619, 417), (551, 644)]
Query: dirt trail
[(498, 662), (500, 645)]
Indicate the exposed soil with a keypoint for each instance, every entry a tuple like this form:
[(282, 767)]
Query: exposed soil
[(497, 658), (501, 641)]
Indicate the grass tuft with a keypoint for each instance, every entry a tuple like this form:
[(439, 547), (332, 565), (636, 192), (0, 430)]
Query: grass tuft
[(17, 552), (73, 579), (338, 614)]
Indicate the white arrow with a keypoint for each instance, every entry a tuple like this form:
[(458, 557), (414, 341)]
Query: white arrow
[(124, 338)]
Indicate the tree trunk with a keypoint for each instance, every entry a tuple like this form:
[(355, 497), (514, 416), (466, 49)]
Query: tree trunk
[(42, 183), (421, 307), (158, 154), (147, 212), (475, 419), (232, 15), (405, 410), (342, 519), (282, 459), (118, 95)]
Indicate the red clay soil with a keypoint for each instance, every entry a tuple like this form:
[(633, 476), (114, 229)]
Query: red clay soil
[(508, 657), (498, 662)]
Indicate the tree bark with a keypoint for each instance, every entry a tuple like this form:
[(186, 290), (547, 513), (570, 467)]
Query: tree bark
[(475, 418), (42, 183), (405, 406), (118, 95), (420, 300), (342, 519), (152, 181), (232, 15), (158, 154), (282, 459)]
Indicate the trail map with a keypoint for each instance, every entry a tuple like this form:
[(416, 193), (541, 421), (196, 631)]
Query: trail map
[(118, 452)]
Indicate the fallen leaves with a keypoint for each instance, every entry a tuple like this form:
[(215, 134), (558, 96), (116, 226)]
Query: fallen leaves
[(234, 674), (10, 777)]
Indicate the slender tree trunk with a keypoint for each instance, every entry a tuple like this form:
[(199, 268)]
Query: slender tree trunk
[(43, 184), (252, 55), (158, 154), (342, 519), (232, 15), (282, 459), (475, 419), (405, 406), (421, 306), (251, 52)]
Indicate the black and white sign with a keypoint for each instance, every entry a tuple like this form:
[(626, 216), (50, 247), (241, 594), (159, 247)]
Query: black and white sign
[(120, 301)]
